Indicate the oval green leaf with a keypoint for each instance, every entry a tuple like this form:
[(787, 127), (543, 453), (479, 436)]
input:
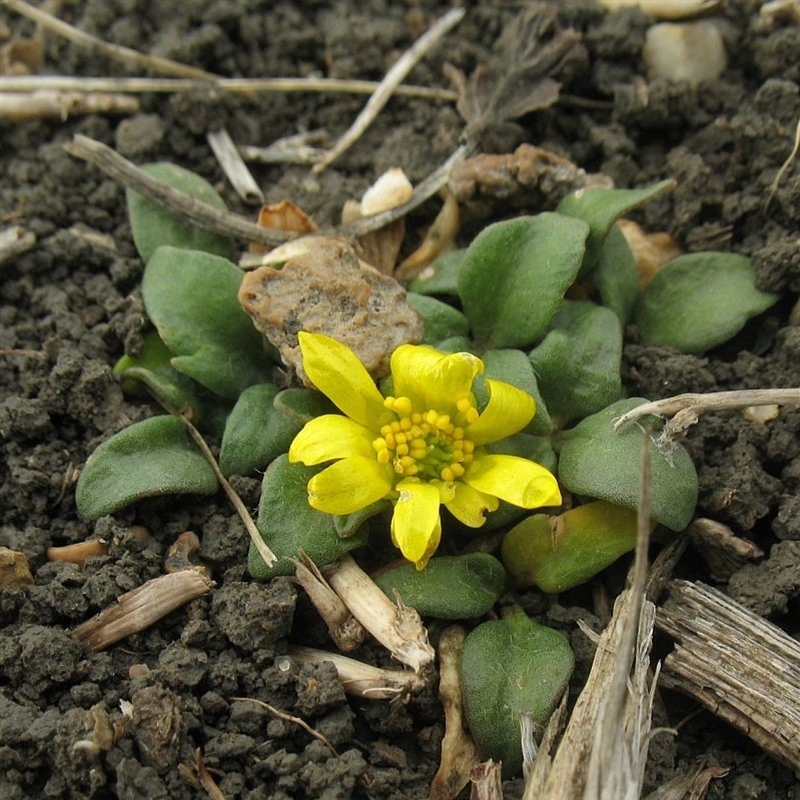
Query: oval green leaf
[(450, 587), (441, 277), (191, 298), (557, 553), (698, 301), (616, 276), (514, 367), (147, 459), (578, 362), (288, 524), (601, 208), (597, 461), (514, 276), (442, 321), (512, 667), (153, 226)]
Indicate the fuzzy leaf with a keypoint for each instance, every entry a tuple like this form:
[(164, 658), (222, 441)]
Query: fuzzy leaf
[(288, 524), (578, 362), (597, 461), (191, 297), (616, 276), (601, 208), (149, 458), (441, 277), (514, 276), (514, 367), (510, 667), (557, 553), (698, 301), (442, 321), (263, 423), (450, 587), (153, 226)]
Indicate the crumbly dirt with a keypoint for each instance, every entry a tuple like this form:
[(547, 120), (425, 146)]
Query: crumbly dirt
[(70, 308)]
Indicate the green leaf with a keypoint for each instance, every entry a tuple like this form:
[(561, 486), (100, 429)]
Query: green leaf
[(191, 297), (514, 276), (245, 446), (514, 367), (152, 369), (601, 208), (288, 524), (441, 320), (597, 461), (302, 405), (616, 276), (441, 277), (153, 226), (578, 362), (263, 424), (557, 553), (450, 587), (698, 301), (149, 458), (511, 667)]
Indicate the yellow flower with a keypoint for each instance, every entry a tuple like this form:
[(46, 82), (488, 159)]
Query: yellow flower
[(422, 447)]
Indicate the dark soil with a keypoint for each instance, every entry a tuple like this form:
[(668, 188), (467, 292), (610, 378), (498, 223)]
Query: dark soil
[(71, 307)]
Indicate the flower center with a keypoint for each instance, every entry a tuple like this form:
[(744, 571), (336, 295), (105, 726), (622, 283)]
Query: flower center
[(428, 444)]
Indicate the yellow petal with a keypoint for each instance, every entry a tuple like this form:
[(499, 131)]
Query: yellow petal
[(349, 485), (330, 436), (470, 506), (433, 379), (516, 480), (336, 371), (416, 524), (509, 410)]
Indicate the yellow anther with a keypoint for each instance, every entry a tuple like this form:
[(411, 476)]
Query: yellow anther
[(443, 423), (463, 405), (457, 470), (468, 457), (405, 424), (469, 446), (416, 418), (458, 433), (402, 405), (419, 443), (379, 444), (472, 415), (400, 437), (431, 416), (402, 449), (418, 453), (390, 442), (447, 474), (383, 456)]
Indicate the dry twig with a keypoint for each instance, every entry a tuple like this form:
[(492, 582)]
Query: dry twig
[(141, 607), (289, 718), (67, 83), (737, 664), (163, 66), (201, 214), (603, 751), (393, 78), (233, 166), (397, 627), (20, 107), (364, 680), (684, 409)]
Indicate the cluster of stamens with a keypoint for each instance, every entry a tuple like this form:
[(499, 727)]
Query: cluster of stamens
[(428, 444)]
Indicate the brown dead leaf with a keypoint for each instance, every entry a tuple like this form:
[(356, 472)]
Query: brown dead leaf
[(520, 78), (283, 216)]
